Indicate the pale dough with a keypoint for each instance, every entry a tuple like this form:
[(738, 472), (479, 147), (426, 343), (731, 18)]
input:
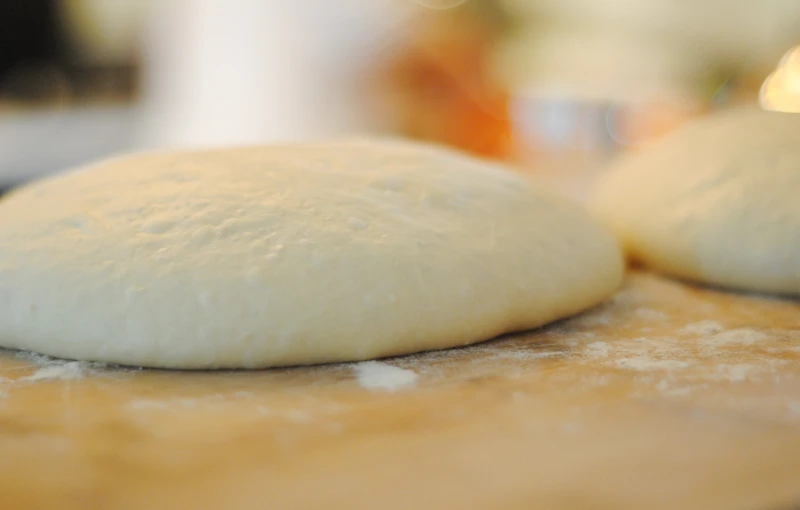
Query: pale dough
[(717, 201), (338, 250)]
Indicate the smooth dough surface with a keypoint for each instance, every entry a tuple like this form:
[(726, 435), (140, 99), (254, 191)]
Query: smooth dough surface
[(716, 202), (337, 250)]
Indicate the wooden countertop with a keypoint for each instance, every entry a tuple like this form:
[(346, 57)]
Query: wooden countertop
[(671, 396)]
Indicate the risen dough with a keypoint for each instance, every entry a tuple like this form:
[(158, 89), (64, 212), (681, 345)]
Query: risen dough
[(717, 201), (254, 257)]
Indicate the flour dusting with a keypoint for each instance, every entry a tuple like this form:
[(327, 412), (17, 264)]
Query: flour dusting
[(677, 366), (701, 328), (650, 314), (670, 389), (58, 371), (54, 369), (513, 354), (376, 375), (188, 402), (738, 372), (598, 349), (735, 337), (643, 364)]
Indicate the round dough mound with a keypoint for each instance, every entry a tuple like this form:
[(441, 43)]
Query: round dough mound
[(716, 202), (301, 253)]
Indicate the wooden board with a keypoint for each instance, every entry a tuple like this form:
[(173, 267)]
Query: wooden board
[(668, 397)]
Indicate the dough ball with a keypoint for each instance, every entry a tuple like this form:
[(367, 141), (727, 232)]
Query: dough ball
[(716, 202), (302, 253)]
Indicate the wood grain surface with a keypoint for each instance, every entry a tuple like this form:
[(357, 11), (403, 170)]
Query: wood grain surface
[(670, 396)]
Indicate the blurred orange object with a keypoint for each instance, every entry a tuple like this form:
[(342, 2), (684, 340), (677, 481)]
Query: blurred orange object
[(437, 88)]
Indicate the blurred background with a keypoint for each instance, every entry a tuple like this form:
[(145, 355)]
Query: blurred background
[(555, 86)]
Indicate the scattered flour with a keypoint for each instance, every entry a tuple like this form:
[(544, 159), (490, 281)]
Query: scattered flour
[(173, 403), (516, 354), (701, 328), (738, 373), (735, 337), (189, 402), (650, 314), (58, 371), (377, 375), (677, 368), (644, 364), (598, 349), (219, 401), (670, 389), (53, 369)]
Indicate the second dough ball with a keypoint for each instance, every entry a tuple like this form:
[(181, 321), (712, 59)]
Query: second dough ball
[(715, 202)]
